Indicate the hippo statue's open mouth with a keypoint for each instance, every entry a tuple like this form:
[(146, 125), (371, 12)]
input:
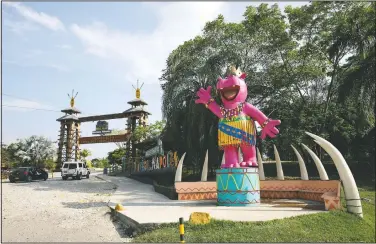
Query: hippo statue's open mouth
[(229, 93)]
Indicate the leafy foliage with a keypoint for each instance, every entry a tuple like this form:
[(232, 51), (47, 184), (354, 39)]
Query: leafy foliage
[(89, 164), (100, 163), (85, 153), (148, 132), (50, 164), (312, 67), (5, 157), (116, 156), (34, 150)]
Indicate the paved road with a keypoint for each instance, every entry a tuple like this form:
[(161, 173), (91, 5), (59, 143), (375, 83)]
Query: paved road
[(58, 211)]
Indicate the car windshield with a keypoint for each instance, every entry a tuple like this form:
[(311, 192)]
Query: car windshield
[(65, 166), (72, 166)]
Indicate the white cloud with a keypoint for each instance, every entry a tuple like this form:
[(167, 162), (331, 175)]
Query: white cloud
[(24, 105), (43, 19), (144, 54)]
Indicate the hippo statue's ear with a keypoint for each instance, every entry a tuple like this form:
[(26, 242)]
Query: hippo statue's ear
[(219, 79), (242, 76)]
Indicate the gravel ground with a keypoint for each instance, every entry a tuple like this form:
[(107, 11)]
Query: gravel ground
[(58, 211)]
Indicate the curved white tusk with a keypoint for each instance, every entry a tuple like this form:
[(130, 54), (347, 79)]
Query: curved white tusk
[(223, 159), (353, 203), (320, 167), (278, 163), (179, 169), (303, 169), (204, 173), (240, 155), (261, 166)]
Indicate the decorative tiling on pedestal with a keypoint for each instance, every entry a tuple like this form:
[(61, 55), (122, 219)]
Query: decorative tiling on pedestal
[(238, 187)]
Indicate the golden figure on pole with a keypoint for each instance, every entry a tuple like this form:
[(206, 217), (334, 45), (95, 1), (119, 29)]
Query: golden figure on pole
[(72, 98), (138, 90)]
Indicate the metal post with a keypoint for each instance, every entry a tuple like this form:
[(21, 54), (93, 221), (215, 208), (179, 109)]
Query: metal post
[(123, 164), (181, 230)]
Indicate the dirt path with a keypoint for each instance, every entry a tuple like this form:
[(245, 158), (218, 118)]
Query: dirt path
[(58, 211)]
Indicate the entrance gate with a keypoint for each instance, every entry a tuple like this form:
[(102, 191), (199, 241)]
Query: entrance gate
[(69, 137)]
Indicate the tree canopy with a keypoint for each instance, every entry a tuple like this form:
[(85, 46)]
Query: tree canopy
[(31, 151), (312, 67), (151, 131)]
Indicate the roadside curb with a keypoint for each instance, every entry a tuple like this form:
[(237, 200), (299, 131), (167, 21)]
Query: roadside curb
[(124, 219), (119, 215), (97, 176)]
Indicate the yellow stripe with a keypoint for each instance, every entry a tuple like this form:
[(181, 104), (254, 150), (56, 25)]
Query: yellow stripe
[(247, 126), (181, 229), (233, 178)]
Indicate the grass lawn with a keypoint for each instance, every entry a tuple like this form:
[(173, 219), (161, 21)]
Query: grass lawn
[(333, 226)]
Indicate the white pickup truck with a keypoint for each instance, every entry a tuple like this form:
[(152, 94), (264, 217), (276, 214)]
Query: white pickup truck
[(74, 169)]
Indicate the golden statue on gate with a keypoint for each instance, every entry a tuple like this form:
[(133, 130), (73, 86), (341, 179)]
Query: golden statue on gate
[(138, 90), (72, 98)]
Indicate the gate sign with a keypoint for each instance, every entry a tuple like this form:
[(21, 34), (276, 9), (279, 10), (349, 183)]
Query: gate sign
[(102, 128), (103, 139)]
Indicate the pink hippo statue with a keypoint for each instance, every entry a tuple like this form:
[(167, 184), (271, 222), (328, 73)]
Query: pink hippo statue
[(236, 127)]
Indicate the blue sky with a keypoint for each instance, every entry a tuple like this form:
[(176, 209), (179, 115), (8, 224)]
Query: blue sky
[(98, 49)]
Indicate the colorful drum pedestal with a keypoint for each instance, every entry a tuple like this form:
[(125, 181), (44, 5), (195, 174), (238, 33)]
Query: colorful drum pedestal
[(238, 187)]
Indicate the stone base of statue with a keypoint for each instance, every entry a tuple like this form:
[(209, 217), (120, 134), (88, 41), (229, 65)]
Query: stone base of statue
[(238, 187)]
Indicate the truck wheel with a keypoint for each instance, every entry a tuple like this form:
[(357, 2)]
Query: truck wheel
[(79, 177), (64, 178), (87, 175)]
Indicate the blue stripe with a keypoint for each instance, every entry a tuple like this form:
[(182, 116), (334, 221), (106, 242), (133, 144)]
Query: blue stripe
[(234, 132)]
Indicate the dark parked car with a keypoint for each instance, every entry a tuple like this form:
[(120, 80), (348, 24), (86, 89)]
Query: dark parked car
[(27, 174)]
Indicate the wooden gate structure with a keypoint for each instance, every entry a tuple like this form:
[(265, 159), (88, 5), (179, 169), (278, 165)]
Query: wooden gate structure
[(69, 136)]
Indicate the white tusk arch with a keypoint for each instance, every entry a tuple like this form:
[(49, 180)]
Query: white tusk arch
[(204, 173), (278, 163), (179, 169), (223, 159), (303, 169), (240, 155), (353, 203), (320, 167), (261, 166)]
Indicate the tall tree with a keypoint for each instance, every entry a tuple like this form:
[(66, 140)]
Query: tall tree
[(6, 160), (148, 132), (50, 165), (34, 150), (85, 153), (115, 157)]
